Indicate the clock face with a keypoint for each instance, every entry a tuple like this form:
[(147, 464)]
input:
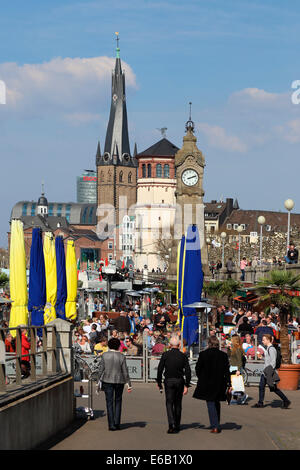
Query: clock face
[(190, 177)]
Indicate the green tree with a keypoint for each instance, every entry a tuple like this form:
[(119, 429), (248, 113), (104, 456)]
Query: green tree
[(3, 279), (275, 290)]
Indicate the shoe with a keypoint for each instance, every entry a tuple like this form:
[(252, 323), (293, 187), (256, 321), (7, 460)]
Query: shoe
[(258, 405), (177, 429), (215, 430), (117, 426), (171, 430), (112, 428), (286, 404), (245, 398)]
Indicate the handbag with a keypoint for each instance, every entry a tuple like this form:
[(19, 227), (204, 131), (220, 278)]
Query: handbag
[(237, 383)]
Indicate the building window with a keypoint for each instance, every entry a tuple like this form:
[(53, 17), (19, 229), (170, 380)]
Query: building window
[(84, 215), (143, 170), (129, 178), (121, 177), (59, 209), (110, 245), (167, 171), (89, 254), (24, 209), (229, 226), (68, 212), (149, 170), (235, 226), (50, 209), (91, 215), (158, 170), (268, 228)]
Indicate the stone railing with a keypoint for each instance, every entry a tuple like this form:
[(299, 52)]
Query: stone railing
[(252, 275)]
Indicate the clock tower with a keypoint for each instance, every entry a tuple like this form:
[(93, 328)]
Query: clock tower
[(189, 168)]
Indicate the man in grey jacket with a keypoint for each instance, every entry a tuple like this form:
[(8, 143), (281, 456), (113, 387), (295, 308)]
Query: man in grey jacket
[(269, 376), (113, 373)]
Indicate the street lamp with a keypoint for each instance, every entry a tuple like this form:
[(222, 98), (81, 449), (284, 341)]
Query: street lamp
[(261, 220), (223, 236), (239, 229), (289, 204)]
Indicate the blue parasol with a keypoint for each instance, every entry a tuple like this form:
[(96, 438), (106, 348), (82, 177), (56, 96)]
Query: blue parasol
[(192, 284), (37, 280), (61, 278)]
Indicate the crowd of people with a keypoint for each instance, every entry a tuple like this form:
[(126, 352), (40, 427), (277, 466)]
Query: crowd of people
[(238, 329), (291, 257)]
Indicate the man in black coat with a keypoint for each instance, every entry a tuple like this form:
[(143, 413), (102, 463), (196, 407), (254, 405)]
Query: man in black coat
[(177, 372), (213, 374)]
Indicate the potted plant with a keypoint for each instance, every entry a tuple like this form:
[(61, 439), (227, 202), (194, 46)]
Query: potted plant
[(279, 289)]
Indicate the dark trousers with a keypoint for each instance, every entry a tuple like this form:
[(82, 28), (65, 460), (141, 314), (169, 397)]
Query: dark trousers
[(174, 390), (214, 413), (113, 395), (262, 387)]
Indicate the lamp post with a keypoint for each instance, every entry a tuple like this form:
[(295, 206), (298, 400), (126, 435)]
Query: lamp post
[(239, 229), (223, 236), (261, 220), (289, 204)]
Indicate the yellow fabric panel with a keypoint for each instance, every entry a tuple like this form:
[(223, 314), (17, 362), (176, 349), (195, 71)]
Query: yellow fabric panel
[(71, 274), (51, 277), (17, 277)]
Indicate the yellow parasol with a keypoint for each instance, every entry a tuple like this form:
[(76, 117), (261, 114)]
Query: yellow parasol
[(71, 273), (17, 277), (51, 280)]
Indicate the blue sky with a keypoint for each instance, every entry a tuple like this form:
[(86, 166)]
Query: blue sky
[(235, 60)]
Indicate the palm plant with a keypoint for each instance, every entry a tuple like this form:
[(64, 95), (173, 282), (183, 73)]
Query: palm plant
[(229, 288), (275, 289)]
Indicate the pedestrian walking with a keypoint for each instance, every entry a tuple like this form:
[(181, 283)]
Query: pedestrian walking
[(175, 366), (269, 376), (212, 370), (113, 374)]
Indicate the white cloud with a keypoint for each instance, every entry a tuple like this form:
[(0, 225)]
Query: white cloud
[(217, 137), (290, 131), (62, 85)]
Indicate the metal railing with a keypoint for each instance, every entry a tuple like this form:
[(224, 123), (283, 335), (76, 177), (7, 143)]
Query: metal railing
[(42, 359)]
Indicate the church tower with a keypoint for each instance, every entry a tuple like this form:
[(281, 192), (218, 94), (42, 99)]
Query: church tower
[(116, 167)]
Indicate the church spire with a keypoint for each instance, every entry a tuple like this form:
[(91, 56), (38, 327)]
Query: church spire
[(117, 129)]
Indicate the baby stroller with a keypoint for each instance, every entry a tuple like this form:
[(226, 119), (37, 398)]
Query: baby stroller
[(238, 394)]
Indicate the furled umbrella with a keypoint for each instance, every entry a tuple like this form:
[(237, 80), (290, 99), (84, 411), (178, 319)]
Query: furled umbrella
[(17, 277), (51, 277), (192, 284), (71, 273), (37, 280), (61, 278)]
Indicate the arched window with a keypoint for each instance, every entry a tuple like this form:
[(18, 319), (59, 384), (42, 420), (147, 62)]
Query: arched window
[(166, 171), (158, 170), (143, 170), (149, 171), (121, 177), (130, 178)]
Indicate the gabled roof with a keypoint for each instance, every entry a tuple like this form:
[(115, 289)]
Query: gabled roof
[(163, 148)]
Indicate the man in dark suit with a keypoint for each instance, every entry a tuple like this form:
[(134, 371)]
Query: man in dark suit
[(213, 374), (177, 373)]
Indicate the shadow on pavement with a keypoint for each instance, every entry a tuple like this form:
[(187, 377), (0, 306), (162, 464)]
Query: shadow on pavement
[(71, 429), (230, 426), (137, 424), (191, 426)]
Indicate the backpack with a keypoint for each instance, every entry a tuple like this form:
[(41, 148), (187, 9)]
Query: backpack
[(278, 357)]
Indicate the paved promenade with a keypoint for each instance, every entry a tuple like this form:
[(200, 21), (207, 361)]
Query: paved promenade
[(145, 425)]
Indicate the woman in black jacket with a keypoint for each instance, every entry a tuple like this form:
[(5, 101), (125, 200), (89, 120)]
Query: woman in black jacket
[(213, 374)]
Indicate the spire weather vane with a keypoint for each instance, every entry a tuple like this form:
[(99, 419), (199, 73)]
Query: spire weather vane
[(162, 130)]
